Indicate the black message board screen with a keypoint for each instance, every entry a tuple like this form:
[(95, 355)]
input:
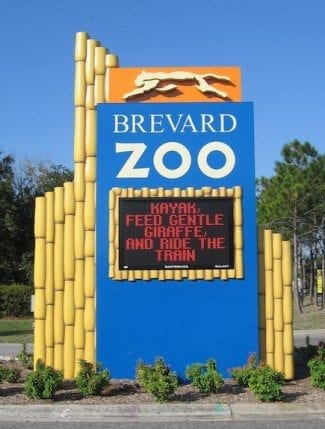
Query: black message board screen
[(176, 233)]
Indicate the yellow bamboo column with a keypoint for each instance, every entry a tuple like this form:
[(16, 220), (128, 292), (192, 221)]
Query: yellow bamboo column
[(111, 234), (278, 302), (100, 68), (69, 272), (58, 277), (269, 302), (111, 61), (118, 275), (89, 205), (288, 343), (81, 55), (231, 273), (39, 280), (49, 279), (80, 58), (238, 232), (79, 295), (261, 296), (89, 219)]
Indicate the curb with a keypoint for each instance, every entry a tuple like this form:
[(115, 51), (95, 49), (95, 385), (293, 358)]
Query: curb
[(158, 412)]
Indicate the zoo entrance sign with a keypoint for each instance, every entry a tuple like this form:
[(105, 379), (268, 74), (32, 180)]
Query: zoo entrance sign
[(176, 228)]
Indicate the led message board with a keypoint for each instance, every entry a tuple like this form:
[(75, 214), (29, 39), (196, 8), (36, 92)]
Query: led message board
[(176, 233)]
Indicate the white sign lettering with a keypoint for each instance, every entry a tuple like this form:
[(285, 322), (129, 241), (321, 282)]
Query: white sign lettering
[(130, 170)]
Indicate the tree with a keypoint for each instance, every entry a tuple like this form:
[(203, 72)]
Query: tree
[(32, 179), (292, 201), (19, 185), (7, 198)]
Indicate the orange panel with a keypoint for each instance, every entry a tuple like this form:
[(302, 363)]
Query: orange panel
[(171, 84)]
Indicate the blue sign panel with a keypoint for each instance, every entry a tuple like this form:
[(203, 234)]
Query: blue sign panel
[(171, 146)]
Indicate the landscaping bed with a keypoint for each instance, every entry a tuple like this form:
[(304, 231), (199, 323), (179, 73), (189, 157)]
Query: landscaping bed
[(130, 392)]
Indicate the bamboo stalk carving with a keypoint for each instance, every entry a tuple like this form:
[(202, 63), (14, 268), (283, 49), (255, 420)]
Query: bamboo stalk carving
[(288, 344), (269, 301), (275, 281), (82, 70), (261, 296), (39, 280), (58, 277), (49, 279), (69, 272)]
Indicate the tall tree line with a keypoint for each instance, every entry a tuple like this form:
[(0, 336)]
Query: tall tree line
[(19, 185), (292, 202)]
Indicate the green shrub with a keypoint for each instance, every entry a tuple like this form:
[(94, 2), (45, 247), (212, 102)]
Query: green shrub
[(91, 379), (205, 376), (243, 374), (43, 382), (15, 300), (157, 379), (26, 359), (2, 373), (316, 367), (266, 383), (11, 375), (8, 373)]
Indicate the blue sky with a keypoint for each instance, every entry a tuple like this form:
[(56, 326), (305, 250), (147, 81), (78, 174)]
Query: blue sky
[(278, 44)]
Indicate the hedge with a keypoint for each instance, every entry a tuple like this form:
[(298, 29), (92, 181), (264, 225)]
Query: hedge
[(15, 300)]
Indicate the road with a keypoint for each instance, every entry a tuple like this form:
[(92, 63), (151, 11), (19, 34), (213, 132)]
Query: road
[(243, 424), (301, 338)]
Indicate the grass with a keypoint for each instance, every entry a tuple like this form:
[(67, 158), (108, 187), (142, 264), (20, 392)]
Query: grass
[(313, 317), (16, 330), (21, 330)]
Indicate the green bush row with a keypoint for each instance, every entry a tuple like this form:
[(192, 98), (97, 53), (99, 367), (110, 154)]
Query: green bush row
[(158, 379), (45, 381), (15, 300), (264, 382)]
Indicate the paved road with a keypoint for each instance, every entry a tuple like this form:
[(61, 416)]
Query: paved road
[(11, 349), (301, 339), (252, 424)]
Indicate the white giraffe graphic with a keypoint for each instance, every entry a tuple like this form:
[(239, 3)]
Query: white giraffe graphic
[(149, 81)]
